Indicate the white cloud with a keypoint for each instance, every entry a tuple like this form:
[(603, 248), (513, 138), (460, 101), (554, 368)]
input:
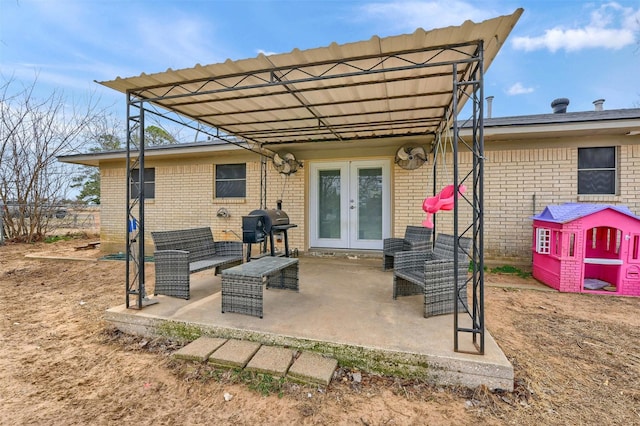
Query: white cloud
[(576, 39), (266, 52), (519, 89), (611, 27), (409, 15)]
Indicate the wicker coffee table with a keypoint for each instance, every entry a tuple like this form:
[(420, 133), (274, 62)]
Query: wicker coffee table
[(243, 285)]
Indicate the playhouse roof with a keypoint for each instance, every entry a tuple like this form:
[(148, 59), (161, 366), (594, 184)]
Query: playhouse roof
[(568, 212)]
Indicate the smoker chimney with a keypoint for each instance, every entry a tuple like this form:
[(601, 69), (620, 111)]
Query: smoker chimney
[(598, 104), (560, 105), (489, 102)]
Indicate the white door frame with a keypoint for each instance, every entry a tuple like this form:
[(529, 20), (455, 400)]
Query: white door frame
[(348, 238)]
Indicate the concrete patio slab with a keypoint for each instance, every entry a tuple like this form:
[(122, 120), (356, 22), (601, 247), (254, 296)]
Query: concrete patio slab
[(234, 353), (344, 309), (271, 360), (313, 368), (200, 349)]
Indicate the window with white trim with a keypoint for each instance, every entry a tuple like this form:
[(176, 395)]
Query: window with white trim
[(543, 240)]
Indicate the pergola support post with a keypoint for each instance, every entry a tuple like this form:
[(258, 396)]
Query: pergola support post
[(134, 269), (263, 182), (472, 87)]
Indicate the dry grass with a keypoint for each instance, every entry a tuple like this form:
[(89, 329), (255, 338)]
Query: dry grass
[(576, 361)]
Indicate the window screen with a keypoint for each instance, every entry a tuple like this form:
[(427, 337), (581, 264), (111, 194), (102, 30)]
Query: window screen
[(231, 181), (597, 170)]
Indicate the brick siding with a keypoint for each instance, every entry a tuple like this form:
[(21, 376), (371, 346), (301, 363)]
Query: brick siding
[(184, 198), (518, 184)]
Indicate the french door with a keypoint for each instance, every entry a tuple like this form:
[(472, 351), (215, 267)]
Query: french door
[(349, 204)]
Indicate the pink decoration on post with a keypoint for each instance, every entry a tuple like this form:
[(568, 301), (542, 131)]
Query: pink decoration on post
[(441, 201)]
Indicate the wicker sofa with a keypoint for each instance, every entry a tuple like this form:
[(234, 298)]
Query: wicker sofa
[(432, 273), (415, 238), (180, 253)]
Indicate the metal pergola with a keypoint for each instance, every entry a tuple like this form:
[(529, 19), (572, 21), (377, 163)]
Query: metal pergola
[(397, 87)]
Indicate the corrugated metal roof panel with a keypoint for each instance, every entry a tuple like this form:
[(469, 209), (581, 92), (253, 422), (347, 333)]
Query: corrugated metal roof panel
[(393, 86)]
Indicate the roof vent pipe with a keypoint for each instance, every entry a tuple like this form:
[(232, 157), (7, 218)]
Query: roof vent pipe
[(489, 102), (560, 105), (598, 104)]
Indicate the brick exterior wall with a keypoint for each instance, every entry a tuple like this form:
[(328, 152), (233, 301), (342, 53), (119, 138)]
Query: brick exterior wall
[(519, 184), (410, 187), (291, 190), (520, 181), (112, 208), (184, 198)]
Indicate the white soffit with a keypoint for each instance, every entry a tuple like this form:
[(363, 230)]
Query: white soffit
[(383, 87)]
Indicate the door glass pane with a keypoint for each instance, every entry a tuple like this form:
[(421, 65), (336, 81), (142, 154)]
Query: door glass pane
[(329, 203), (370, 204)]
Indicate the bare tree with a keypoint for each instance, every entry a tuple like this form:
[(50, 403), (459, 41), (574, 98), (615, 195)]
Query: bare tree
[(33, 132)]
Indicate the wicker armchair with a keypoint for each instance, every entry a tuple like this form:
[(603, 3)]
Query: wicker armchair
[(415, 238), (432, 274)]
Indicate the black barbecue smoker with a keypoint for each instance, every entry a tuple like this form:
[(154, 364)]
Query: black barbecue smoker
[(263, 223)]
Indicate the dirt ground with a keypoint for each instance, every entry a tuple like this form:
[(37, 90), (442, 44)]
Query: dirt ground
[(576, 361)]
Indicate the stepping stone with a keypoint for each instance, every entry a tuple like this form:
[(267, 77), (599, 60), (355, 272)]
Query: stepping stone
[(271, 360), (199, 349), (234, 353), (313, 368)]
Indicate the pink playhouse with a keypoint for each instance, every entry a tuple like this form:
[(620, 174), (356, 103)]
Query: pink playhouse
[(587, 248)]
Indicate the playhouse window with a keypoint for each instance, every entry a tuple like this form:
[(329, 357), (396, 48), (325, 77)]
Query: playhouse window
[(597, 170), (605, 239), (557, 243), (572, 244), (543, 240), (613, 241), (635, 248)]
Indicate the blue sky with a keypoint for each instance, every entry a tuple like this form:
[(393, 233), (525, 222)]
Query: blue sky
[(582, 50)]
